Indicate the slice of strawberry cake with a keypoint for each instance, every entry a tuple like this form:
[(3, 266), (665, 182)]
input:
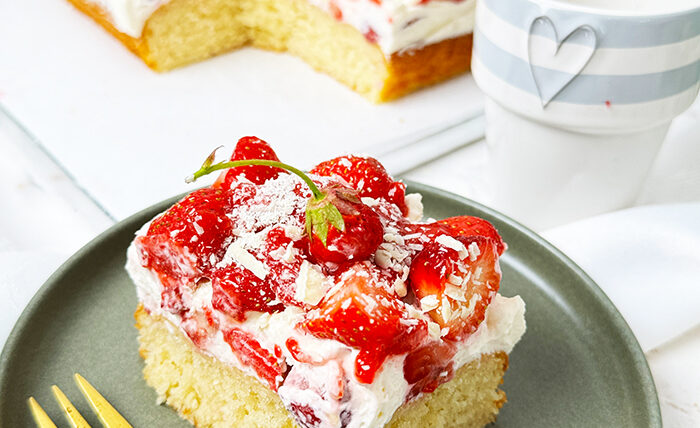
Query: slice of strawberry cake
[(276, 298)]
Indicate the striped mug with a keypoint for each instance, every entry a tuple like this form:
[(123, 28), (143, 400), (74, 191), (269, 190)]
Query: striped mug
[(580, 95)]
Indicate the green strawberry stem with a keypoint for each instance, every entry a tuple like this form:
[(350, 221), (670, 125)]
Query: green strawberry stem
[(208, 168), (320, 210)]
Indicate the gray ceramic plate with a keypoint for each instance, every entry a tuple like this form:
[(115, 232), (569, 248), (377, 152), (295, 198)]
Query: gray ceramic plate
[(577, 365)]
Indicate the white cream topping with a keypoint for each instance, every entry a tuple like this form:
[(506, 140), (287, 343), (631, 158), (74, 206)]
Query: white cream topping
[(397, 25), (129, 16), (148, 288), (405, 24), (414, 202), (502, 328)]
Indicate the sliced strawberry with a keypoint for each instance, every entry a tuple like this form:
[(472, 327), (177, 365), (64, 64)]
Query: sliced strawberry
[(428, 367), (367, 176), (467, 225), (362, 235), (368, 363), (237, 290), (199, 325), (304, 415), (361, 314), (284, 257), (270, 366), (250, 148), (335, 10), (456, 288), (183, 243)]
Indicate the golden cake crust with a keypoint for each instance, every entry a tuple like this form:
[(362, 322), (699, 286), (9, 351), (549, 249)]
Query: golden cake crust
[(211, 394), (432, 64), (94, 11), (185, 31)]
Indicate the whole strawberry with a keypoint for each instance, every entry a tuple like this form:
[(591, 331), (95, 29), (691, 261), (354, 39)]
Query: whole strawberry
[(367, 176), (250, 148), (356, 240)]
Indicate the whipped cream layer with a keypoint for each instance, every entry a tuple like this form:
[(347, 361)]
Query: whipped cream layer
[(394, 25), (129, 16), (371, 405), (399, 25)]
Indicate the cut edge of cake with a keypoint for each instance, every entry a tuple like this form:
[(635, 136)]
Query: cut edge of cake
[(185, 31), (210, 393)]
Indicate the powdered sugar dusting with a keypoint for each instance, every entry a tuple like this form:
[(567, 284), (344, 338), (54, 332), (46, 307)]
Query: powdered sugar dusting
[(275, 202)]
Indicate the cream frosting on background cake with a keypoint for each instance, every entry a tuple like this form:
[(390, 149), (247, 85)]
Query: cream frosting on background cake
[(243, 320), (382, 49)]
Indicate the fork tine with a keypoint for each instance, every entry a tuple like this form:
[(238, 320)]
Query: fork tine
[(40, 417), (74, 417), (109, 417)]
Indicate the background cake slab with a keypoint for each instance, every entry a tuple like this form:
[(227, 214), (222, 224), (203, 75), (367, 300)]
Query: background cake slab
[(100, 111)]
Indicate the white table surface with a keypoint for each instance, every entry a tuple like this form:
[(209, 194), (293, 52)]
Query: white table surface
[(55, 200)]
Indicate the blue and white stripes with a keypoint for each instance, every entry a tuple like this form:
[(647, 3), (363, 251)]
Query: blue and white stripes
[(639, 68)]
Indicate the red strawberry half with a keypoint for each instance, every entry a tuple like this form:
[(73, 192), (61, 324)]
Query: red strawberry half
[(270, 366), (237, 290), (250, 148), (284, 267), (199, 325), (361, 314), (428, 367), (182, 244), (455, 287), (367, 176), (467, 225)]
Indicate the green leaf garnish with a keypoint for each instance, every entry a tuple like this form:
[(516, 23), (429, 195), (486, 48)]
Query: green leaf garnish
[(319, 214)]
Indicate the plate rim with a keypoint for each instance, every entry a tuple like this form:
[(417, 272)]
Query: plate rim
[(637, 355)]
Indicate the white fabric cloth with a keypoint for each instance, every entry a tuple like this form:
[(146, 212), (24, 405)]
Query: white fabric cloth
[(647, 260)]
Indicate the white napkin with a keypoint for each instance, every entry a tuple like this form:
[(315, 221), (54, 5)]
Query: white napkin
[(647, 260)]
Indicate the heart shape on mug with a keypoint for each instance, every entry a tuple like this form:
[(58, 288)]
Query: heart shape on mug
[(555, 64)]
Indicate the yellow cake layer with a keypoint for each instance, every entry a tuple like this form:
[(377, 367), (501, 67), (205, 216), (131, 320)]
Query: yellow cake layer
[(209, 393), (185, 31)]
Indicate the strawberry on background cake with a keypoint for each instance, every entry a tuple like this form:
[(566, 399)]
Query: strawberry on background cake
[(380, 48), (281, 298)]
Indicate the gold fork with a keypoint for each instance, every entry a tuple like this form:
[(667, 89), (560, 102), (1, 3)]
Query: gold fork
[(109, 417)]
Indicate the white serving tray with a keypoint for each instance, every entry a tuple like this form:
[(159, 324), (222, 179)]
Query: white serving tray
[(129, 135)]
